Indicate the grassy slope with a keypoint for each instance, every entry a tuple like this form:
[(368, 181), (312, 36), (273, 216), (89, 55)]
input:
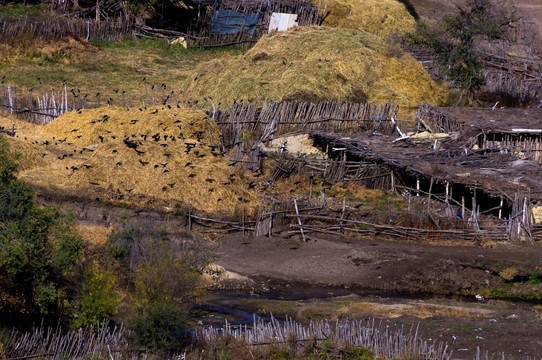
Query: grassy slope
[(100, 67)]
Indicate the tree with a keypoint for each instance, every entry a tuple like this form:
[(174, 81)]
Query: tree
[(455, 37), (38, 249)]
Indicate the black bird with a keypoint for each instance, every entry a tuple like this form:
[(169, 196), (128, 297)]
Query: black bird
[(154, 112), (101, 138), (87, 166), (156, 136), (251, 185), (144, 136), (167, 155), (210, 180), (165, 171), (62, 157), (156, 166), (79, 136), (192, 175), (164, 164), (129, 190), (46, 142), (119, 163), (211, 189), (143, 162), (202, 155), (74, 130), (74, 168), (133, 122), (139, 152), (163, 145), (188, 164), (131, 144), (171, 185), (114, 151)]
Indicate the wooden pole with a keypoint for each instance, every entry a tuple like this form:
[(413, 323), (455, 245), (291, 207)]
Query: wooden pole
[(243, 212), (500, 208), (310, 189), (417, 186), (299, 221), (463, 207), (342, 214)]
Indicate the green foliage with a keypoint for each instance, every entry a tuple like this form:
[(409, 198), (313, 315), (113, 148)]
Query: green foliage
[(99, 300), (16, 10), (534, 279), (454, 39), (161, 326), (38, 248)]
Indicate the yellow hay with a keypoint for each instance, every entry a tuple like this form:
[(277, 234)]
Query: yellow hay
[(311, 63), (158, 153), (381, 17), (24, 143)]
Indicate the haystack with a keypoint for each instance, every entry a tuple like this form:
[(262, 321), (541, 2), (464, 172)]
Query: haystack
[(315, 63), (380, 17), (158, 153)]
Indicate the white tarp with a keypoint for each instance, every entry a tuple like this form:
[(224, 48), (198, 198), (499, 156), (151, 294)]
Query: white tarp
[(282, 21)]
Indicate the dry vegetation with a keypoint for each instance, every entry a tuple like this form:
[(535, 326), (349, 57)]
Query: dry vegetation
[(311, 63), (381, 17), (163, 153)]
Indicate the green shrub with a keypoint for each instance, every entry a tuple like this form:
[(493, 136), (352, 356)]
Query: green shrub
[(99, 300), (161, 326), (38, 249)]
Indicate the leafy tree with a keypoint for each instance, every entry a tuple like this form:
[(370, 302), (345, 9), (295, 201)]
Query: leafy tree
[(455, 37), (38, 249)]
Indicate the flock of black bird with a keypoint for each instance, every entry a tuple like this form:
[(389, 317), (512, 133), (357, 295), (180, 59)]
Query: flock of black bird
[(135, 142)]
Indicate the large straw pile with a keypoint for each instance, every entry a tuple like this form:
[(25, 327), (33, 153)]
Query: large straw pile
[(381, 17), (315, 63), (156, 153)]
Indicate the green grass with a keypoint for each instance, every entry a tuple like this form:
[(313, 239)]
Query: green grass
[(19, 11)]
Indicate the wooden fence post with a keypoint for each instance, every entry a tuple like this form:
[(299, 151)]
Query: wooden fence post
[(299, 221)]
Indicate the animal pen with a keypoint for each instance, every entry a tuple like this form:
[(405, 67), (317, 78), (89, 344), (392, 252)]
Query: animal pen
[(227, 23)]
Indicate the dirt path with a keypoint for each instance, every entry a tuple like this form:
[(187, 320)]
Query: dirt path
[(370, 265)]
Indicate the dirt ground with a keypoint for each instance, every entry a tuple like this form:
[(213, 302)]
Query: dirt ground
[(404, 283)]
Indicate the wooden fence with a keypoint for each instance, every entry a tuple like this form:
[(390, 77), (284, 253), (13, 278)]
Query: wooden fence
[(54, 28), (200, 33), (286, 116), (524, 88)]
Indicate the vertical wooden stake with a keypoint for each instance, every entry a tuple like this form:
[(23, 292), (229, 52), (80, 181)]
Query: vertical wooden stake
[(299, 221), (500, 208), (342, 214), (310, 189), (417, 186), (392, 183), (463, 207), (323, 197)]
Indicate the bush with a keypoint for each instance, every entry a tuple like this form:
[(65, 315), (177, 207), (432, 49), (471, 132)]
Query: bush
[(161, 326), (99, 299), (38, 249)]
